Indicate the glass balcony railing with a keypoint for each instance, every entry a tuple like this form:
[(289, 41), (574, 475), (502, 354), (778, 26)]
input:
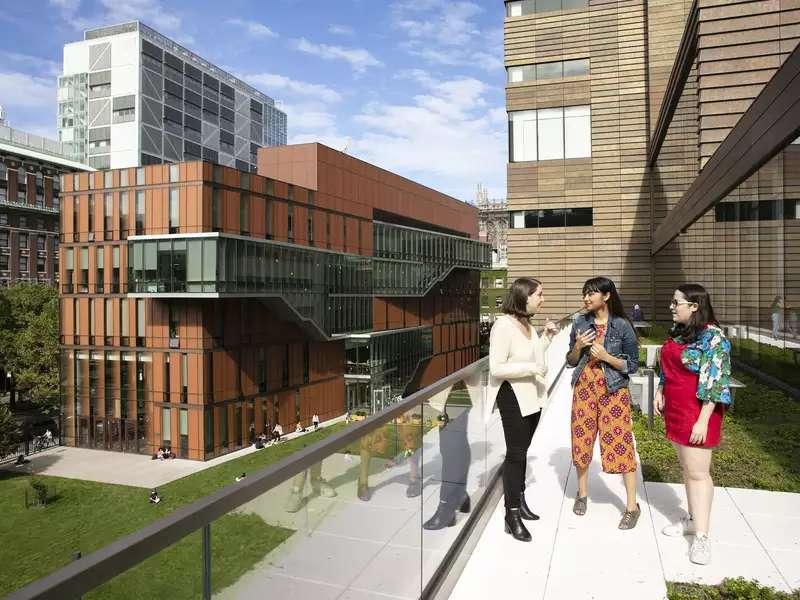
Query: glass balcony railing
[(380, 508)]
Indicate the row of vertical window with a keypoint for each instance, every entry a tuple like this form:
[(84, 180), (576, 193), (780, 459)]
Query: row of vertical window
[(518, 8), (550, 70), (23, 263), (23, 239), (550, 134), (76, 270), (552, 217), (408, 243), (757, 210), (125, 179)]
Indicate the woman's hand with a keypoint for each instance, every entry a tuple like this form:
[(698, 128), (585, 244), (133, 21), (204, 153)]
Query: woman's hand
[(699, 432), (550, 328), (599, 352), (584, 339), (658, 402)]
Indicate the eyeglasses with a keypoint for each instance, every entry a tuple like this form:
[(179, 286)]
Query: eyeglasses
[(675, 303)]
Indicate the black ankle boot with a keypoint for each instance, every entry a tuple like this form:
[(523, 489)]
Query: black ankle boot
[(525, 511), (515, 526), (443, 517), (466, 505)]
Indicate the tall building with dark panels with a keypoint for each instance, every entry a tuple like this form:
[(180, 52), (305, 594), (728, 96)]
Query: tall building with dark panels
[(130, 96), (202, 304)]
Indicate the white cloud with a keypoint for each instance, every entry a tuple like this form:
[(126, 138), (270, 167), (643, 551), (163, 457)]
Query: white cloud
[(150, 12), (359, 59), (30, 63), (448, 24), (26, 91), (253, 28), (447, 34), (272, 82), (345, 30), (447, 137)]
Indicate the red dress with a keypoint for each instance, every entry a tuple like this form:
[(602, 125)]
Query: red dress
[(681, 406)]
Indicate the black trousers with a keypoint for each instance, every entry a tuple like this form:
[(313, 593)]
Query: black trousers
[(456, 458), (518, 431)]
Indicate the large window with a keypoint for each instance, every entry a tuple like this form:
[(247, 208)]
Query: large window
[(519, 8), (757, 210), (550, 133), (550, 70), (552, 217)]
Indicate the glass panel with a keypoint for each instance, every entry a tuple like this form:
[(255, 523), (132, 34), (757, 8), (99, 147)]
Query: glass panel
[(153, 578), (577, 132), (574, 68), (551, 70), (550, 123), (420, 468), (523, 135)]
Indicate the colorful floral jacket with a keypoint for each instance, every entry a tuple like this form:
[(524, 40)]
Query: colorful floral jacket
[(709, 356)]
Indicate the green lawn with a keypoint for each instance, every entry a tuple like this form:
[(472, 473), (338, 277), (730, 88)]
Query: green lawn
[(759, 449), (88, 515), (729, 589)]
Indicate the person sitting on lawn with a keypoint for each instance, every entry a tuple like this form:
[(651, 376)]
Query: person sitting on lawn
[(240, 477), (154, 497)]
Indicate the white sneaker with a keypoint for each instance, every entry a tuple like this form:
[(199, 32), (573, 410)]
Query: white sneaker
[(700, 552), (683, 527)]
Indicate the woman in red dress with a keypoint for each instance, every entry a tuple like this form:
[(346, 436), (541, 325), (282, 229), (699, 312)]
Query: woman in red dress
[(692, 395)]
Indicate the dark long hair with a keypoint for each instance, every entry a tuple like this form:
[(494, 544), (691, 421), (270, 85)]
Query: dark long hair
[(516, 302), (605, 286), (703, 316)]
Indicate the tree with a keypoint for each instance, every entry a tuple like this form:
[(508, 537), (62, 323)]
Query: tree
[(9, 432), (29, 342)]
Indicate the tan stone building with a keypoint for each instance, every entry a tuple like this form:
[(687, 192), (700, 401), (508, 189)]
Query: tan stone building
[(651, 142)]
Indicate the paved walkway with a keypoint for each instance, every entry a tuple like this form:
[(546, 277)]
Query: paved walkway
[(123, 468), (756, 534)]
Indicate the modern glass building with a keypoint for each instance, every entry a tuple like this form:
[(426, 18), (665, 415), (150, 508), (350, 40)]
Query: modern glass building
[(202, 305), (130, 96)]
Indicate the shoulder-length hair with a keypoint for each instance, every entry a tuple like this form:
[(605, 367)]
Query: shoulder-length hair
[(605, 286), (702, 317), (516, 302)]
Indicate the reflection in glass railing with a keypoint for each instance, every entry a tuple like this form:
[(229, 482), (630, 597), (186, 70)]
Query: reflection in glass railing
[(373, 510)]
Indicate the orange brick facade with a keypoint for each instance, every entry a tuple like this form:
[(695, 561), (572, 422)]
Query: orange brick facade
[(144, 366)]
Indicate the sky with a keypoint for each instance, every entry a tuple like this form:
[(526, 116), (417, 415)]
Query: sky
[(413, 86)]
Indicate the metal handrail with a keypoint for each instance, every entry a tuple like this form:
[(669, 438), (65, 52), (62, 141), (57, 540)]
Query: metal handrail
[(117, 557)]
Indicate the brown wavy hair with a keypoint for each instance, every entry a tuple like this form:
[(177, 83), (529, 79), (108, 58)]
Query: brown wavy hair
[(516, 302)]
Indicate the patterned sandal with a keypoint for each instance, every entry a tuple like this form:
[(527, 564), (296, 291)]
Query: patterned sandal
[(579, 508)]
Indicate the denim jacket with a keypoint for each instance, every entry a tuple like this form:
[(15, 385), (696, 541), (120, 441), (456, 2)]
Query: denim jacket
[(620, 342)]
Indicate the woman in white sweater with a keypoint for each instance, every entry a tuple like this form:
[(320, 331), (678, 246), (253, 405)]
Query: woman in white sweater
[(517, 380)]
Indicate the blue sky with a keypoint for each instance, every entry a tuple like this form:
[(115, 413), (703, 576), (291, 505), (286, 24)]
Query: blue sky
[(414, 86)]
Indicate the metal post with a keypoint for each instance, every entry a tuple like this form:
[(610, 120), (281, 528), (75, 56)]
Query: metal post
[(207, 562), (650, 398)]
